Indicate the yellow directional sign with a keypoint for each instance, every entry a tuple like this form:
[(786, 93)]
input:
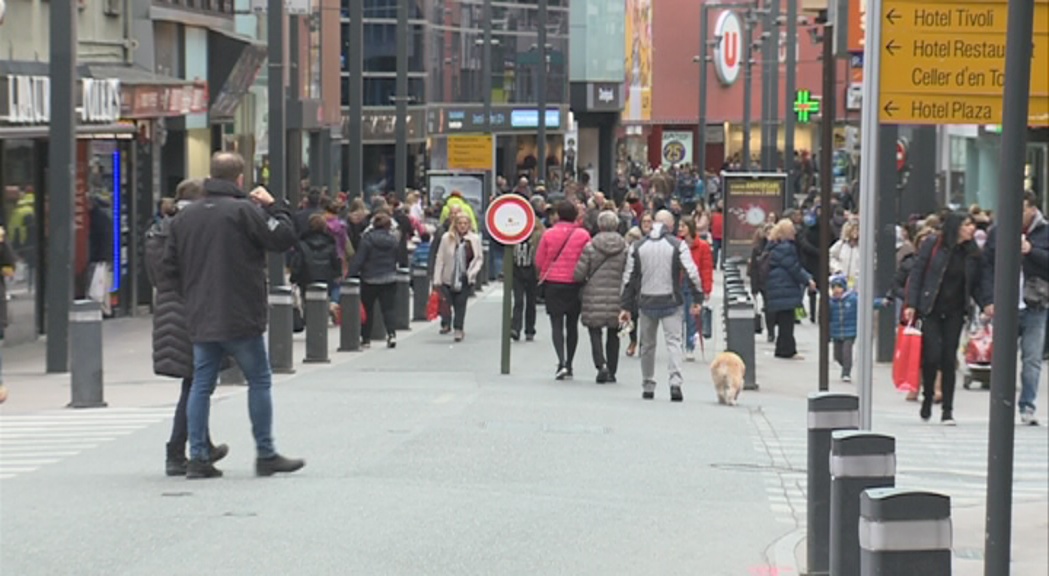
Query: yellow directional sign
[(956, 17), (943, 62), (956, 109), (952, 63), (470, 152)]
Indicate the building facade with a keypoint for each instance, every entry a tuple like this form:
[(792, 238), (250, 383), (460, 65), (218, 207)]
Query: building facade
[(445, 82)]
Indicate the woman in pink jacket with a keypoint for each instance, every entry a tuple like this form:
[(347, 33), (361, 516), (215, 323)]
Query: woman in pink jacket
[(556, 257)]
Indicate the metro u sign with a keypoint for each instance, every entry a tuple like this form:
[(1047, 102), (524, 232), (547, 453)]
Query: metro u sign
[(728, 54)]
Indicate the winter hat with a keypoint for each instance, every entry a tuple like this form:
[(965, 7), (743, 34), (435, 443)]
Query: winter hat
[(839, 281)]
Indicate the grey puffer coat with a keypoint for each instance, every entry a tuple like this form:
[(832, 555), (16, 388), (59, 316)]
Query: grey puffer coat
[(172, 349), (600, 270)]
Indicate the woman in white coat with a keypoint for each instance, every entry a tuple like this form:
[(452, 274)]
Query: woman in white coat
[(458, 262), (845, 253)]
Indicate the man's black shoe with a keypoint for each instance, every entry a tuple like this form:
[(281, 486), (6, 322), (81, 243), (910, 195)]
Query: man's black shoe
[(648, 395), (218, 452), (515, 335), (675, 394), (198, 469), (277, 464)]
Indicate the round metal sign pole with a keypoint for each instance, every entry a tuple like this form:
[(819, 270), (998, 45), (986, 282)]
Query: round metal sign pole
[(510, 220)]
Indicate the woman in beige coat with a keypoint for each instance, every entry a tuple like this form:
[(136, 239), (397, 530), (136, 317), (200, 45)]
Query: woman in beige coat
[(600, 270), (458, 262)]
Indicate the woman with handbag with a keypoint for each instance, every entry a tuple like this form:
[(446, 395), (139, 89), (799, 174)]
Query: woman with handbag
[(559, 251), (455, 270), (600, 271), (703, 257), (947, 275)]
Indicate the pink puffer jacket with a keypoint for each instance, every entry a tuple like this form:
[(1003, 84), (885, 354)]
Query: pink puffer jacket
[(557, 268)]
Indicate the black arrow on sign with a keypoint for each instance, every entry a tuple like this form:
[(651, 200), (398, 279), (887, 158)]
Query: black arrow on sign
[(892, 47), (892, 16), (890, 109)]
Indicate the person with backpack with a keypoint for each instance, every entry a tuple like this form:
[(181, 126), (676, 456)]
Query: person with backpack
[(316, 258)]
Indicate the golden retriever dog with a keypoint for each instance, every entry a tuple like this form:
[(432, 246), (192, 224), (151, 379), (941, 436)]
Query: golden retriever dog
[(728, 370)]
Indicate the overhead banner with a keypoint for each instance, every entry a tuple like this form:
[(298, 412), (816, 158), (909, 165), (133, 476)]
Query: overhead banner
[(677, 147), (751, 200)]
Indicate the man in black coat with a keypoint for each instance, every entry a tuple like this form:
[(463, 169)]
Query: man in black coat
[(216, 255), (1034, 300)]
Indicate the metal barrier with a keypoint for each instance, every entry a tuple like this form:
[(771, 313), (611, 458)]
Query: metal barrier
[(316, 313), (85, 356), (350, 329), (828, 412), (858, 461), (280, 329), (905, 533)]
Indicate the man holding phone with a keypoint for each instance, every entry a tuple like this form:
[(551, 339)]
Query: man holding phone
[(216, 256)]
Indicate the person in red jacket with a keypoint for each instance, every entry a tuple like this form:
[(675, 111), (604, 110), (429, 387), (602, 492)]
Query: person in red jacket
[(703, 256), (717, 228)]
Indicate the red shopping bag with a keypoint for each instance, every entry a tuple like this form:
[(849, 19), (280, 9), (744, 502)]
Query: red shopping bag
[(907, 361), (433, 306), (980, 348)]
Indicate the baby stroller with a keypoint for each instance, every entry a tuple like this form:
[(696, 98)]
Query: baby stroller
[(977, 349)]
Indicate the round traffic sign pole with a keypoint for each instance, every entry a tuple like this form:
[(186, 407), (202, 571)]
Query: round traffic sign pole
[(510, 220)]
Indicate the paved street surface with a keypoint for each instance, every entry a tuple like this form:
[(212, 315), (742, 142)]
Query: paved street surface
[(424, 460)]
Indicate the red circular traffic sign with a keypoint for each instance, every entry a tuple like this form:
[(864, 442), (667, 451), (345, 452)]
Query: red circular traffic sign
[(901, 155), (510, 219)]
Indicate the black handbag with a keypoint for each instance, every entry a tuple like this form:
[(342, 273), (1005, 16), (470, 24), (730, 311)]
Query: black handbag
[(757, 323)]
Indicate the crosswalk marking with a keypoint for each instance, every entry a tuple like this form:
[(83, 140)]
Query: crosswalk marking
[(29, 442), (952, 461)]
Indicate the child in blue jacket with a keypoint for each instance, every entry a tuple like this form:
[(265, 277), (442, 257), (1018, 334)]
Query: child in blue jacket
[(843, 310)]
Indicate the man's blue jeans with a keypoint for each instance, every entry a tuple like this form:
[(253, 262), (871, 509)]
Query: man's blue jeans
[(690, 320), (1032, 346), (250, 354)]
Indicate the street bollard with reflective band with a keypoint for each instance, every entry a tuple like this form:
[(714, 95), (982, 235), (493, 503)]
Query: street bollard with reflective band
[(350, 302), (739, 336), (828, 411), (316, 324), (378, 322), (858, 461), (402, 307), (420, 293), (85, 355), (280, 330), (905, 533), (486, 266), (232, 376)]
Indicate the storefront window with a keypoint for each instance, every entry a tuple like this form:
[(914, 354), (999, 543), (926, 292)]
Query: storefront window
[(19, 217)]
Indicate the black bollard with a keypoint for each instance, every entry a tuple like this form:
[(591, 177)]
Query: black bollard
[(905, 533), (85, 356), (350, 302), (858, 461), (420, 293), (377, 320), (828, 411), (280, 330), (739, 335), (486, 265), (402, 307), (316, 324)]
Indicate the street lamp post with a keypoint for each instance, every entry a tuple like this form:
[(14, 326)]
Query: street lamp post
[(278, 183), (701, 131), (541, 86), (355, 137), (748, 82), (791, 89), (400, 176)]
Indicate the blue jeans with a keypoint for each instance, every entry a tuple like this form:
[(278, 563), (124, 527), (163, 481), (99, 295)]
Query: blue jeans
[(1032, 346), (250, 354), (690, 320)]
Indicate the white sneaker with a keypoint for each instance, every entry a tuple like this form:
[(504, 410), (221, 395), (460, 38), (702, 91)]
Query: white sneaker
[(1027, 418), (690, 356), (846, 378)]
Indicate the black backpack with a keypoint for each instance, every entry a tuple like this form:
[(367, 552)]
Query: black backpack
[(310, 265)]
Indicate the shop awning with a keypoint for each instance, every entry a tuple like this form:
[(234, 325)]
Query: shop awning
[(234, 62)]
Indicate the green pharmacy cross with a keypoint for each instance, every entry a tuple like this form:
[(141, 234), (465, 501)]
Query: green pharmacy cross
[(804, 106)]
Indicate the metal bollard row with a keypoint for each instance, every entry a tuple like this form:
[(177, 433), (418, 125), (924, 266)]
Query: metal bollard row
[(827, 412), (85, 358), (420, 293), (402, 307), (858, 461), (905, 533), (350, 302), (316, 314), (280, 330)]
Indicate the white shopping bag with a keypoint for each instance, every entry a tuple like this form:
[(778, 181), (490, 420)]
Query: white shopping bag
[(98, 289)]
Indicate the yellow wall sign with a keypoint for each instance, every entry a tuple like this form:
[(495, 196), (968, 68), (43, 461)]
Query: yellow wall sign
[(470, 152), (944, 62), (955, 109)]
